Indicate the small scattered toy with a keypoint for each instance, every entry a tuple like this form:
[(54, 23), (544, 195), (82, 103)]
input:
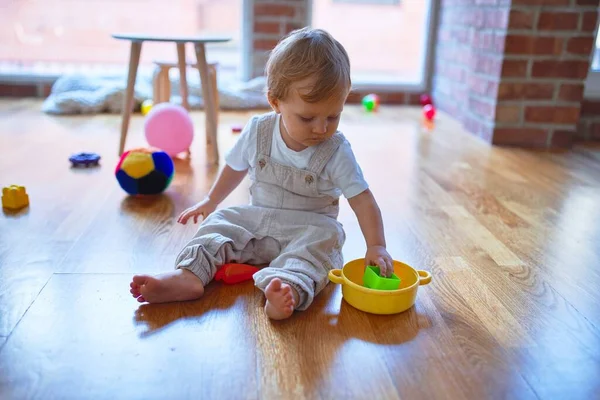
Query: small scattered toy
[(425, 99), (14, 197), (144, 171), (84, 159), (373, 280), (236, 128), (233, 273), (146, 106), (371, 102), (429, 112)]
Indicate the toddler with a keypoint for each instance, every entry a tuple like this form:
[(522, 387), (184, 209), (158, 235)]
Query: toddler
[(299, 166)]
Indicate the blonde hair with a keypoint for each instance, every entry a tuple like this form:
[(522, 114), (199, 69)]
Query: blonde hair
[(304, 53)]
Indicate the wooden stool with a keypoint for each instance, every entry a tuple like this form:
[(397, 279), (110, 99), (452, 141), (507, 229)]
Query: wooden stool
[(161, 84)]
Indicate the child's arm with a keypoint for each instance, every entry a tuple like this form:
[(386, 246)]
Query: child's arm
[(227, 181), (369, 218)]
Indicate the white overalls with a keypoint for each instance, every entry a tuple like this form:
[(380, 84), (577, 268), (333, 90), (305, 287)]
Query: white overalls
[(289, 225)]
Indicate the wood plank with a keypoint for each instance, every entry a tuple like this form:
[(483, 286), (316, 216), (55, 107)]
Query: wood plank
[(88, 322)]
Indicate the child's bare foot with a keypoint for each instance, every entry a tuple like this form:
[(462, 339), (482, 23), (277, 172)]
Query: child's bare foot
[(178, 285), (280, 300)]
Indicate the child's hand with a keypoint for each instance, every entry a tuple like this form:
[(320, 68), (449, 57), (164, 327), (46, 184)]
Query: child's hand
[(378, 256), (204, 208)]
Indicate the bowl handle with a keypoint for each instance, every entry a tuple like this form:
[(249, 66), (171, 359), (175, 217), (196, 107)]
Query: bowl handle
[(424, 277), (335, 276)]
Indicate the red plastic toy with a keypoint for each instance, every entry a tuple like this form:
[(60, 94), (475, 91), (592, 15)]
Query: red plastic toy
[(425, 99), (235, 273), (429, 112)]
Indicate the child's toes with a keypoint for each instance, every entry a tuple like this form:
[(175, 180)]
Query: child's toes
[(141, 299)]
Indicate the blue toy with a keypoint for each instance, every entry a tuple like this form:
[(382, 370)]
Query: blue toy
[(84, 159)]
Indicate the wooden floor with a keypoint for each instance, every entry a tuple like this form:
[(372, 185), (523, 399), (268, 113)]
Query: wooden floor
[(511, 237)]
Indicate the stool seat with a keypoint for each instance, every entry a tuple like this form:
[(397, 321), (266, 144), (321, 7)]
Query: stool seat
[(161, 83)]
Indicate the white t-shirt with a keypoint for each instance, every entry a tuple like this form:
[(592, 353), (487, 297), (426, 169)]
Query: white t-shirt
[(341, 175)]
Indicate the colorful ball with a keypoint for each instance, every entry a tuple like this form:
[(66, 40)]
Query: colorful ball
[(144, 171), (371, 102), (169, 127)]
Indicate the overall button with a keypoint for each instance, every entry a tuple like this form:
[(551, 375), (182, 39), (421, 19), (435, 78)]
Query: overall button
[(309, 179)]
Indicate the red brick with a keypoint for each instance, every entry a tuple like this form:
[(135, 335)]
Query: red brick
[(482, 108), (499, 42), (560, 69), (590, 107), (541, 2), (47, 89), (276, 10), (582, 129), (514, 68), (509, 113), (562, 139), (267, 27), (393, 97), (413, 98), (591, 3), (581, 45), (589, 20), (594, 133), (489, 64), (525, 90), (496, 18), (571, 92), (552, 114), (521, 19), (556, 21), (16, 90), (291, 26), (265, 44), (483, 40), (525, 137), (524, 44), (483, 86)]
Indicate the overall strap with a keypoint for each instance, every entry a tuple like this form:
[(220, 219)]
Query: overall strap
[(324, 152)]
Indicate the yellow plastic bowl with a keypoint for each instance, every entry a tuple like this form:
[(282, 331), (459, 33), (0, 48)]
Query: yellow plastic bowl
[(379, 301)]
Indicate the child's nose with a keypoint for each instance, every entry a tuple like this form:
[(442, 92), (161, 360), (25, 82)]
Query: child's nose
[(320, 127)]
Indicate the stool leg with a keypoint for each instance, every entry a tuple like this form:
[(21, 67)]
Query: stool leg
[(215, 90), (165, 85), (134, 60), (156, 86), (182, 75)]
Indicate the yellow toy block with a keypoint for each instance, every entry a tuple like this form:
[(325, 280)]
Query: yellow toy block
[(14, 197)]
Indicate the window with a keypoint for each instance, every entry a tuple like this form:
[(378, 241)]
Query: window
[(388, 41), (51, 37), (592, 85)]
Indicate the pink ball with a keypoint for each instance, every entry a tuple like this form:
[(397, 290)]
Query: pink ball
[(169, 127)]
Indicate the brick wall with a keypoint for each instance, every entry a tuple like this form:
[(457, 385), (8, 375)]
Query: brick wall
[(469, 52), (547, 58), (514, 71), (272, 20)]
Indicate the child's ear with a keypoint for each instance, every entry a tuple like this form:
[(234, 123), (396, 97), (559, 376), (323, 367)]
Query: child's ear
[(273, 101)]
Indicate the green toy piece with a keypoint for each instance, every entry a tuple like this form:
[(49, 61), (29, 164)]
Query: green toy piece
[(373, 280)]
